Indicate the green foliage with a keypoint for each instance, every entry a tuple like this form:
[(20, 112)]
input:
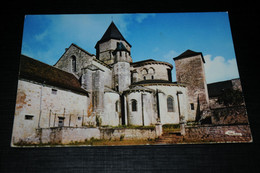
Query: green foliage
[(231, 97), (171, 126)]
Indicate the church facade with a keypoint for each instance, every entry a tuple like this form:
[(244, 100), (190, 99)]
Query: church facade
[(107, 89)]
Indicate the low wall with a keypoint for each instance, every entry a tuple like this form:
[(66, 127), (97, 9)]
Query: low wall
[(218, 133), (66, 135), (117, 134), (229, 115)]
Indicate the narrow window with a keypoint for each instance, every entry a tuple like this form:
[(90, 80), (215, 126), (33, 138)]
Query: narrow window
[(152, 77), (54, 91), (116, 106), (192, 106), (144, 78), (170, 104), (134, 105), (28, 117), (169, 74), (74, 64)]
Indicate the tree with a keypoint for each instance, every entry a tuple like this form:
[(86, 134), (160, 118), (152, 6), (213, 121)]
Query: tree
[(231, 97)]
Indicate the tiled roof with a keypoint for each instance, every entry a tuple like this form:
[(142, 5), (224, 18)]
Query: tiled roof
[(37, 71), (189, 53), (150, 61)]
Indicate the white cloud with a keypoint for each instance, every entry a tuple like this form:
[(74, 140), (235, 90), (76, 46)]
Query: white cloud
[(141, 17), (169, 56), (41, 36), (220, 69)]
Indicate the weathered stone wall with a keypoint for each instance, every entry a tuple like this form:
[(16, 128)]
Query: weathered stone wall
[(106, 49), (229, 115), (171, 90), (236, 83), (150, 71), (67, 135), (145, 113), (46, 104), (108, 81), (121, 76), (112, 109), (98, 92), (70, 135), (128, 134), (218, 133), (82, 59), (190, 71)]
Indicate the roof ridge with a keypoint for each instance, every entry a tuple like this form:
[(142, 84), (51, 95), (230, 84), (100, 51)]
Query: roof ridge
[(112, 32), (189, 53)]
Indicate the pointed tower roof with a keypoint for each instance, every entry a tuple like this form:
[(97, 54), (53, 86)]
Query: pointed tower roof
[(112, 32), (189, 53)]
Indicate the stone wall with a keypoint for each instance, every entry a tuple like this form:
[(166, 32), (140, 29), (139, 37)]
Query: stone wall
[(106, 49), (66, 135), (190, 71), (229, 115), (166, 91), (145, 113), (82, 58), (42, 106), (150, 71), (112, 109), (218, 133), (70, 135), (121, 76), (128, 134)]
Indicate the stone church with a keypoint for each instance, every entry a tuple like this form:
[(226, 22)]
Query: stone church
[(107, 89)]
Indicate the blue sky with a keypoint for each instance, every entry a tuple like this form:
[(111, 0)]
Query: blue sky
[(159, 36)]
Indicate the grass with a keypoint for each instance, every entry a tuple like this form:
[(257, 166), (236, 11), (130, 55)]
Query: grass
[(93, 142), (171, 128)]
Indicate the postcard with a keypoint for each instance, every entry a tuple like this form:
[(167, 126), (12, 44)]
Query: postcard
[(128, 79)]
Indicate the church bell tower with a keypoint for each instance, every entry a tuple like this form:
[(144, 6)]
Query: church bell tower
[(109, 43)]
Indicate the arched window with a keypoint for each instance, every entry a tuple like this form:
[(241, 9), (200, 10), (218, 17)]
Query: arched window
[(170, 103), (134, 105), (73, 64), (144, 71), (151, 70)]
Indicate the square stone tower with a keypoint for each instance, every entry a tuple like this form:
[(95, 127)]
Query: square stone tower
[(190, 71), (109, 43)]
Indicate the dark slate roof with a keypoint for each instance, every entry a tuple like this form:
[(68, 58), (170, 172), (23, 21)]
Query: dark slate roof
[(149, 61), (37, 71), (112, 32), (215, 89), (155, 81), (189, 53)]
